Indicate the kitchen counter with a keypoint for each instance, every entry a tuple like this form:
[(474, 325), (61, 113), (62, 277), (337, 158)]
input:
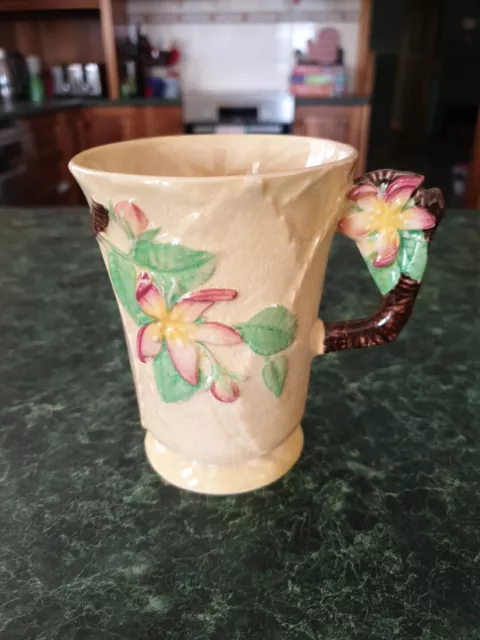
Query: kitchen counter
[(374, 534), (332, 101), (24, 109)]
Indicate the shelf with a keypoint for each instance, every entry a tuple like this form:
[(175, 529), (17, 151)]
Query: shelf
[(47, 5)]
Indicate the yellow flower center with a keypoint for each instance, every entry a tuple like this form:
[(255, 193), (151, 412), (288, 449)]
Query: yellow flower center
[(383, 215), (173, 328)]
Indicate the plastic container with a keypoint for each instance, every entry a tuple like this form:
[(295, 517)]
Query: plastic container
[(35, 82)]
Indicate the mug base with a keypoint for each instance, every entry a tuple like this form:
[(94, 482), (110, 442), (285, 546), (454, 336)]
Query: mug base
[(224, 480)]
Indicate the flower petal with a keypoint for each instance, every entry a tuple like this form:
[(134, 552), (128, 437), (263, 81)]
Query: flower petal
[(400, 190), (217, 333), (415, 218), (366, 245), (149, 297), (133, 216), (386, 246), (225, 389), (364, 196), (193, 305), (148, 343), (357, 224), (211, 295), (362, 191), (184, 356)]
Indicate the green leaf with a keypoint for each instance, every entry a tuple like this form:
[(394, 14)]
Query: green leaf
[(270, 331), (414, 254), (149, 235), (124, 280), (111, 211), (409, 204), (173, 265), (170, 384), (274, 374), (385, 277)]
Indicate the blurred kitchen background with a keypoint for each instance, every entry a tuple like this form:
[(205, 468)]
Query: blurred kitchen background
[(394, 78)]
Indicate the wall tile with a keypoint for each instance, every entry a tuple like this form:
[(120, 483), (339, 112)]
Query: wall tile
[(247, 50)]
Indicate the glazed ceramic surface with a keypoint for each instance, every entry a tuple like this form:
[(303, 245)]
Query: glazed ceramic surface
[(216, 247)]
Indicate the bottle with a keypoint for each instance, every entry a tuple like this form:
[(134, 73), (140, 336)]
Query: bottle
[(35, 82), (144, 49)]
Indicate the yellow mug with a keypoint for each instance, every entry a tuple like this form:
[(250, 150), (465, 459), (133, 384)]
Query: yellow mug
[(216, 247)]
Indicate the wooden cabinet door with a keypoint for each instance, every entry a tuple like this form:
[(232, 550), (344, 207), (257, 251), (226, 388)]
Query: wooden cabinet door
[(104, 125), (162, 120), (324, 122), (52, 141), (349, 124)]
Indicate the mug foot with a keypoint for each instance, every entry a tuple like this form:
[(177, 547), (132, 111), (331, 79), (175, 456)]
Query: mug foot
[(223, 480)]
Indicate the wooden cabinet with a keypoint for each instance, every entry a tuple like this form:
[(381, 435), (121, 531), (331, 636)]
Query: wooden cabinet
[(349, 124), (52, 139), (104, 125), (162, 120), (48, 5), (65, 31)]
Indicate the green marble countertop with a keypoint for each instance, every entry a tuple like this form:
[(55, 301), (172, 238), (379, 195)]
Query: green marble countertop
[(375, 534), (26, 109), (333, 101)]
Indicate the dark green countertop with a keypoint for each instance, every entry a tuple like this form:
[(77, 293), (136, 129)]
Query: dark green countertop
[(332, 101), (26, 109), (375, 534)]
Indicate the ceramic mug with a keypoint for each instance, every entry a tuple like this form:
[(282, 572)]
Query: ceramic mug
[(216, 248)]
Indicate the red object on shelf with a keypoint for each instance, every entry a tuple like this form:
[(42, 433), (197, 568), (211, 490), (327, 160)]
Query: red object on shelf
[(174, 56)]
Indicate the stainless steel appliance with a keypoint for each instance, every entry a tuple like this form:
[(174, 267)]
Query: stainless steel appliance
[(14, 74), (6, 90), (14, 148), (78, 79), (93, 79), (60, 86), (265, 112)]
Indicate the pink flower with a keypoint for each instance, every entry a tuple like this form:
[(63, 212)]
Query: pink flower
[(384, 211), (225, 389), (176, 328), (128, 211)]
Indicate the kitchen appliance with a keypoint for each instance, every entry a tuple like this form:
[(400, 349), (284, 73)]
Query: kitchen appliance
[(14, 74), (93, 79), (262, 112), (14, 148), (59, 83), (79, 80), (76, 80), (6, 91)]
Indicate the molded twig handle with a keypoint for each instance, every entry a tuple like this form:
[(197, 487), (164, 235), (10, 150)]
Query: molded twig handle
[(392, 220)]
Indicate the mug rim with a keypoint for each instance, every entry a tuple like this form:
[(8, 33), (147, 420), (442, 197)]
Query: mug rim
[(78, 165)]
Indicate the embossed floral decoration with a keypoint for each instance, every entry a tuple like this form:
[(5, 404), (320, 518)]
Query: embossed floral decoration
[(157, 284), (387, 225)]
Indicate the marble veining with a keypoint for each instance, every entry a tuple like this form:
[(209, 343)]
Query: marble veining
[(374, 533)]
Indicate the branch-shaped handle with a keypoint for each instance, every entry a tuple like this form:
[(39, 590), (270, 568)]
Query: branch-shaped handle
[(392, 220)]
